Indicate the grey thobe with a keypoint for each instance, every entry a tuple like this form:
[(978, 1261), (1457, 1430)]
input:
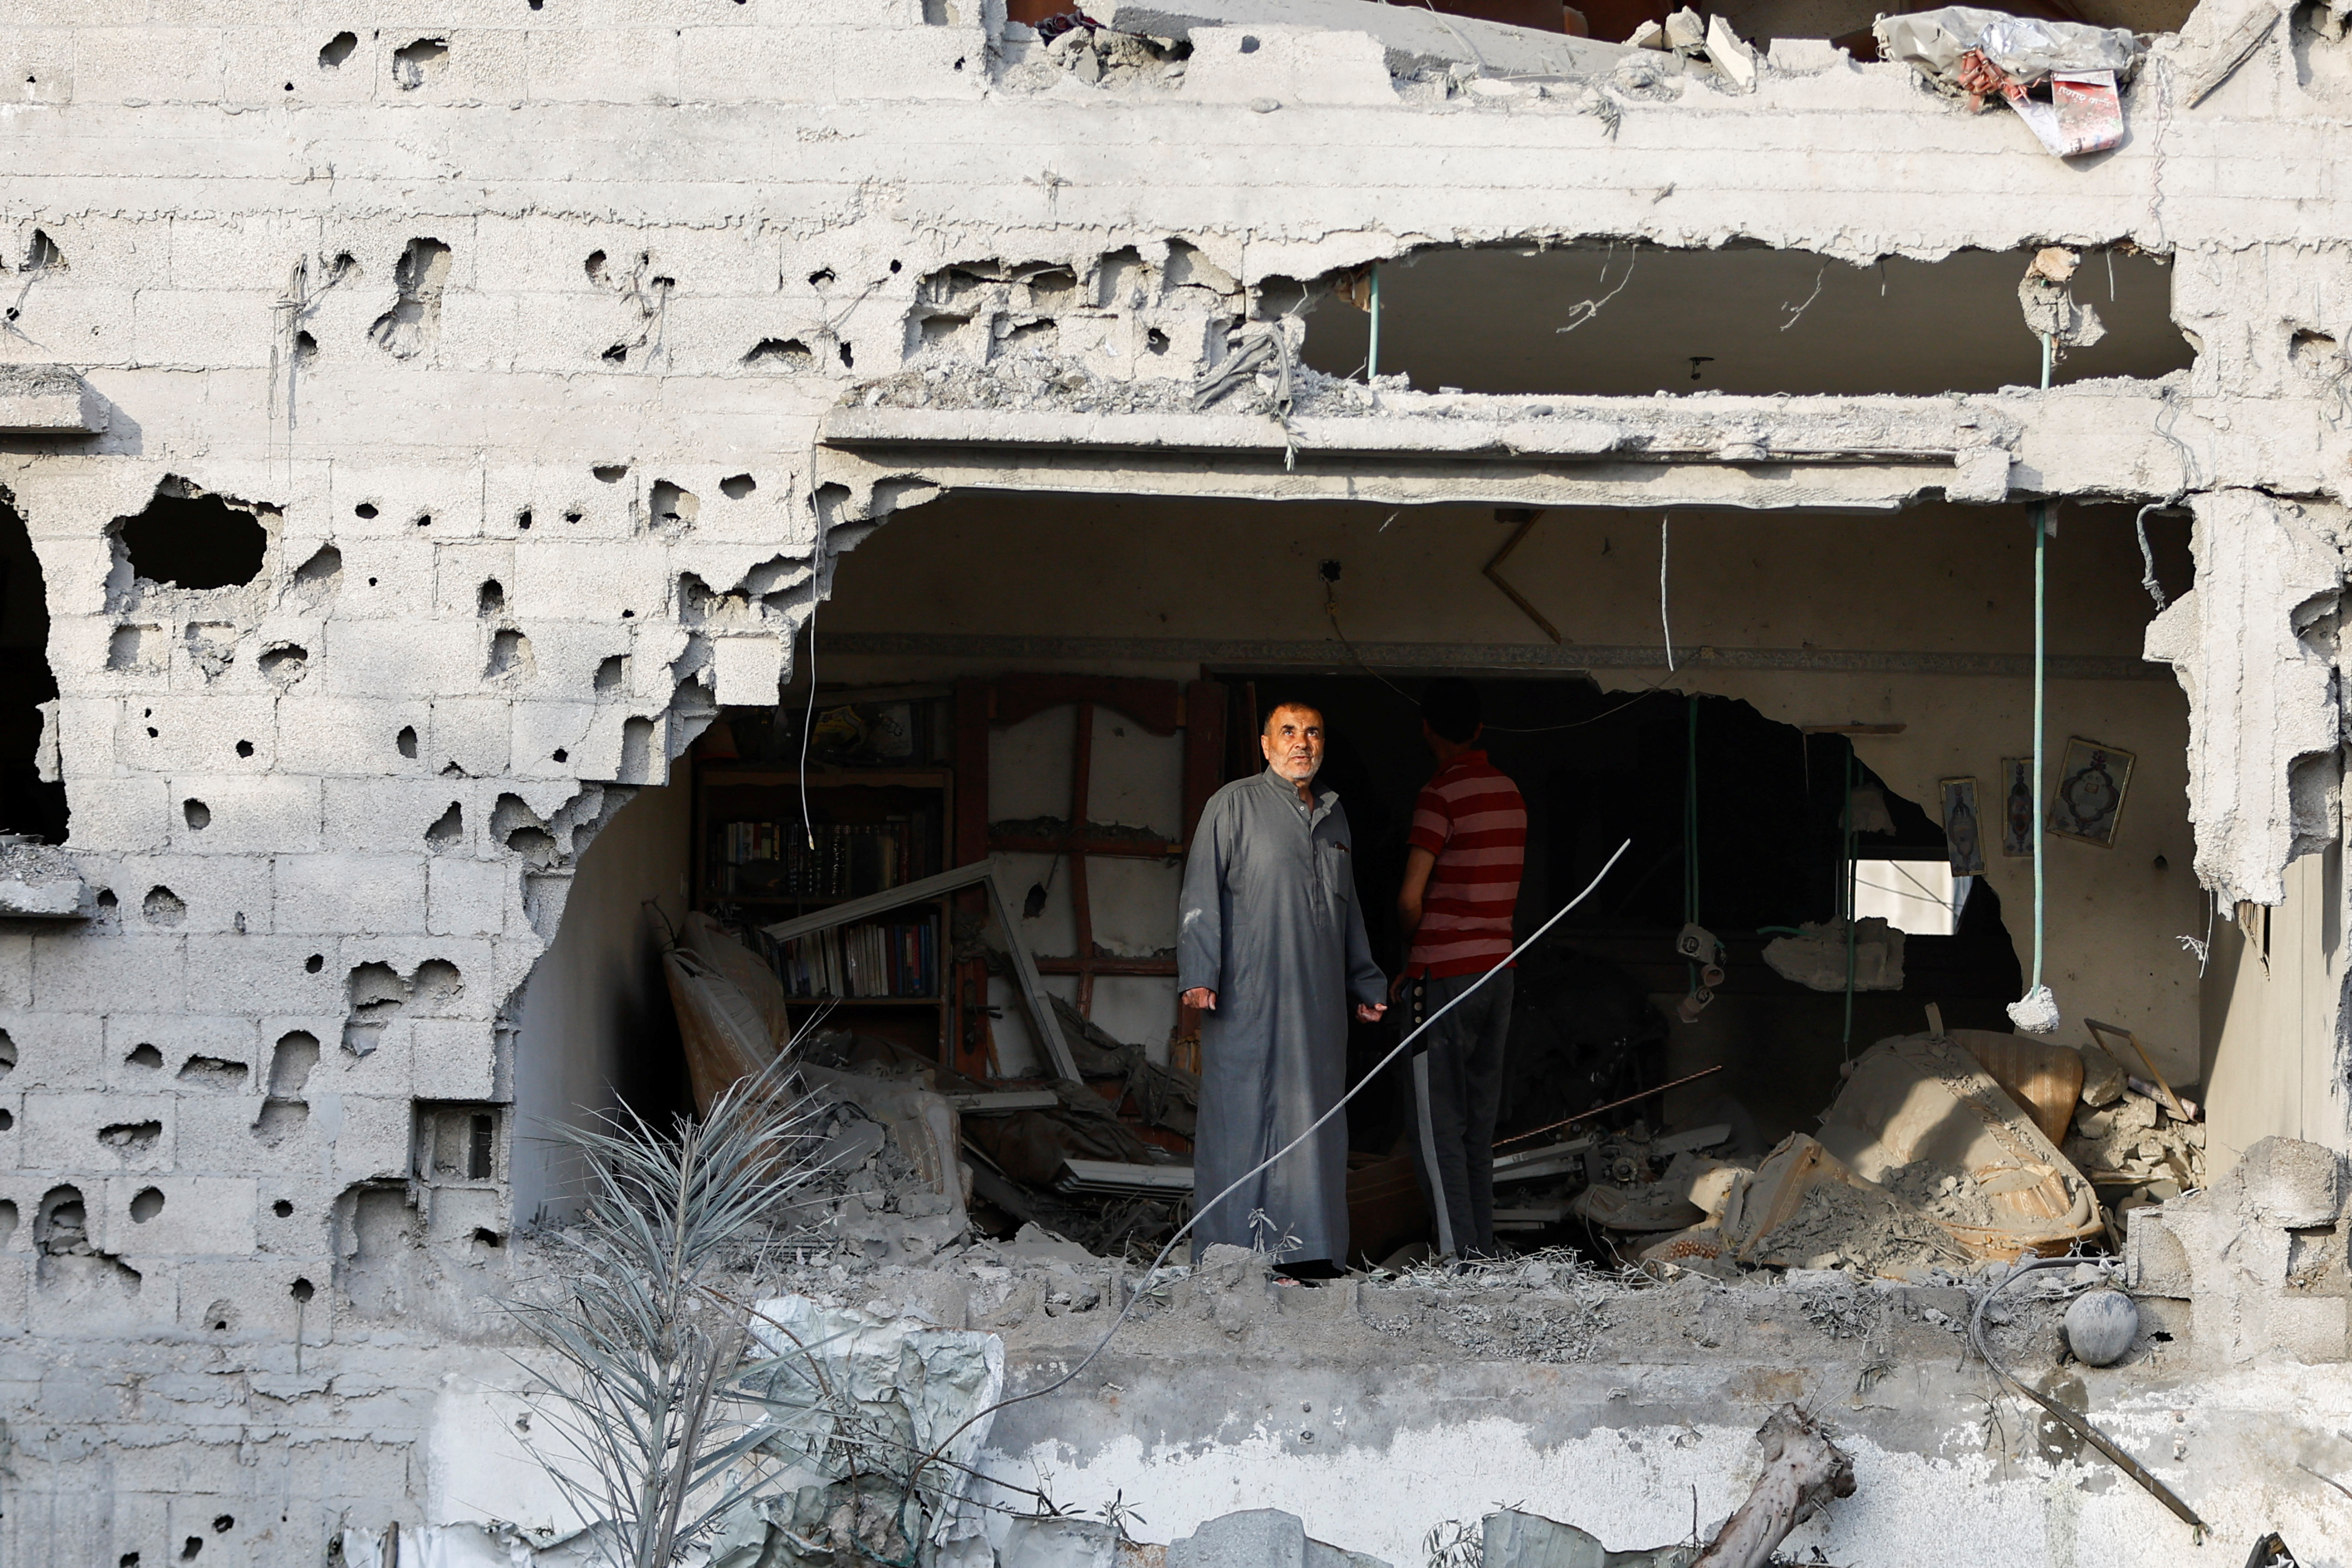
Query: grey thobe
[(1269, 922)]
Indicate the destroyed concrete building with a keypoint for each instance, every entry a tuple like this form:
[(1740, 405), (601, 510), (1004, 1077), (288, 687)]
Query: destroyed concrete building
[(482, 486)]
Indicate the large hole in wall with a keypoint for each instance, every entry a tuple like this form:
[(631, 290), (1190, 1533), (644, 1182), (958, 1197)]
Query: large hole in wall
[(188, 537), (28, 805), (1824, 664), (1633, 319), (1906, 637)]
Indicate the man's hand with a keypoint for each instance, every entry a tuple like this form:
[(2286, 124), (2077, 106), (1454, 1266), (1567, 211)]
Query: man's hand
[(1369, 1012), (1199, 998)]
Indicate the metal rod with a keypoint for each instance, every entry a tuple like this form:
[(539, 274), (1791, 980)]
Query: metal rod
[(1612, 1105), (1373, 354)]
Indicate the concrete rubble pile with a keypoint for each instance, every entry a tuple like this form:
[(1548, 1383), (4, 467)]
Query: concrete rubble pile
[(1941, 1153), (912, 1142)]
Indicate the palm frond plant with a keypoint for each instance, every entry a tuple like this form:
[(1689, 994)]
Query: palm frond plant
[(649, 1348)]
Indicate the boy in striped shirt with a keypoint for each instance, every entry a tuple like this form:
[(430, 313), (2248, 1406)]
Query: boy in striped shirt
[(1467, 846)]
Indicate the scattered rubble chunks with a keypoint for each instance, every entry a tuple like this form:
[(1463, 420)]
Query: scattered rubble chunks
[(2134, 1141), (37, 882), (1924, 1161), (1805, 1208), (1822, 958)]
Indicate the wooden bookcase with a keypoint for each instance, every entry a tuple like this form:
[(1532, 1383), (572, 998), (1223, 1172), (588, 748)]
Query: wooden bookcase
[(876, 828)]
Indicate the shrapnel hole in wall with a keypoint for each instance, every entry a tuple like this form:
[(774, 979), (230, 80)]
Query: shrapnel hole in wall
[(1633, 319), (415, 319), (290, 1061), (212, 1072), (781, 353), (414, 64)]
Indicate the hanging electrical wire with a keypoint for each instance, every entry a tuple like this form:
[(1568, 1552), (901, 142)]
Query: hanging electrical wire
[(808, 719), (1664, 625), (1845, 887)]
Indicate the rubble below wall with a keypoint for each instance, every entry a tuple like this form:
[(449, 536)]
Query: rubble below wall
[(1378, 1410), (1374, 1410)]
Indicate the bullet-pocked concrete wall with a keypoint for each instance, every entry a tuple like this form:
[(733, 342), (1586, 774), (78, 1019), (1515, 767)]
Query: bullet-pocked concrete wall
[(553, 300)]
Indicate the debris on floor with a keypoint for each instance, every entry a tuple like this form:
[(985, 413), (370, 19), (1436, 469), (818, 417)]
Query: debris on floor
[(1924, 1160), (1708, 40), (39, 881), (2061, 77), (1940, 1154), (2131, 1141)]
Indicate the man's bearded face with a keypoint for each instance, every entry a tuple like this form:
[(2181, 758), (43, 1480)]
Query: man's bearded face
[(1292, 742)]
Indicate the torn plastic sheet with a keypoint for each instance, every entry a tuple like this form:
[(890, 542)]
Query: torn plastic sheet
[(2084, 114), (2025, 48), (1981, 55), (854, 1404)]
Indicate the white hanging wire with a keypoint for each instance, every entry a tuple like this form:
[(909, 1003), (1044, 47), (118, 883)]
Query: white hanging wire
[(1664, 625)]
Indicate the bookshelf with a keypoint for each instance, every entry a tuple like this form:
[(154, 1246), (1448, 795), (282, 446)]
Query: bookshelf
[(875, 829)]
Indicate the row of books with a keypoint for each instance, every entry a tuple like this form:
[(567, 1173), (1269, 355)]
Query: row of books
[(847, 860), (878, 959)]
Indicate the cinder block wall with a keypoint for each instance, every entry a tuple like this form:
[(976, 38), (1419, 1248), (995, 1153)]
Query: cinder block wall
[(524, 295)]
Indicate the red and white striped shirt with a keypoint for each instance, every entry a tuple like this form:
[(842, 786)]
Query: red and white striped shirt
[(1472, 819)]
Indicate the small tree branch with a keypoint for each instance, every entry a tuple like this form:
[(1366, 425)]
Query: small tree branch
[(1803, 1468)]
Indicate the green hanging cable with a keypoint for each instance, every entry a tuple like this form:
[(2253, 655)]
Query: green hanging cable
[(1846, 850), (2036, 1012), (1690, 828), (2040, 635), (2041, 651), (1690, 818)]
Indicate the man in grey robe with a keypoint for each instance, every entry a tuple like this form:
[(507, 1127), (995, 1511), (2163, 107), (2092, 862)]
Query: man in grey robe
[(1270, 947)]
